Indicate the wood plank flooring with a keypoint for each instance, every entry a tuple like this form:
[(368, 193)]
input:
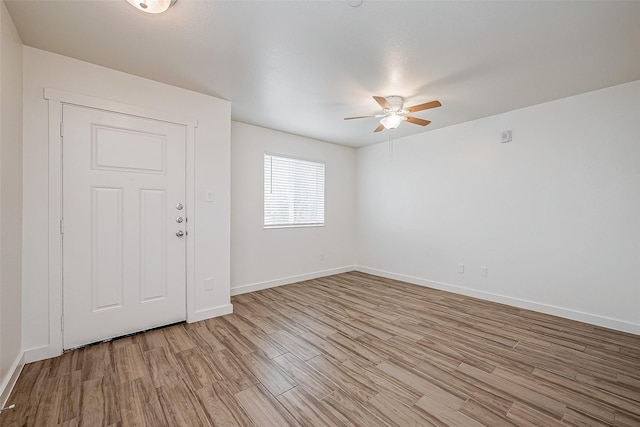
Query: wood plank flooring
[(346, 350)]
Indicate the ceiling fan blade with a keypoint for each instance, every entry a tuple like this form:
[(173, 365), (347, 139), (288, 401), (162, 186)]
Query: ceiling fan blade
[(383, 102), (379, 128), (425, 106), (359, 117), (417, 121)]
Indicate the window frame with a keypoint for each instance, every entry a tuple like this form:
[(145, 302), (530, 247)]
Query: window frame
[(264, 207)]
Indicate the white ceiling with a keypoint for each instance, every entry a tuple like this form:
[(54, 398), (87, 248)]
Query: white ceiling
[(302, 66)]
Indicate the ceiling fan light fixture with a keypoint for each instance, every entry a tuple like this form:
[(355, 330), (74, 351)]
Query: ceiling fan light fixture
[(152, 6), (392, 121), (393, 113)]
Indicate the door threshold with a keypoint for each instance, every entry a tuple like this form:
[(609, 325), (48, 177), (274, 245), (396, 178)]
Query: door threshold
[(67, 350)]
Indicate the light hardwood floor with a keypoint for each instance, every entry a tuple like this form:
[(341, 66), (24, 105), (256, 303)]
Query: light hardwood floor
[(351, 349)]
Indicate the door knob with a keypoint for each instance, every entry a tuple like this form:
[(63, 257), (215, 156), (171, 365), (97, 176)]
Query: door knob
[(179, 233)]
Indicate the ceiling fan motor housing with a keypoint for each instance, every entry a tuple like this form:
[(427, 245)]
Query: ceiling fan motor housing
[(395, 102)]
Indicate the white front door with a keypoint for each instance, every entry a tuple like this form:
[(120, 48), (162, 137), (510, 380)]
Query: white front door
[(123, 195)]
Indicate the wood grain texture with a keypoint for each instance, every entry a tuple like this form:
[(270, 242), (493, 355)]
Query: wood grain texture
[(345, 350)]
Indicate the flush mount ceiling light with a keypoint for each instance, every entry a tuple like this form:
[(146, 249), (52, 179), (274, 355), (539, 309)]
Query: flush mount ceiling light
[(394, 112), (152, 6)]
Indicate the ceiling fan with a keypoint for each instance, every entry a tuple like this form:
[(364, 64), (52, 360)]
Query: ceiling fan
[(393, 112)]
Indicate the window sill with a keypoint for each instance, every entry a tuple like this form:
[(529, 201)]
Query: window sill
[(269, 227)]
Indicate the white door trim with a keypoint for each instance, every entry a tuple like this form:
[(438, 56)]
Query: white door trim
[(55, 100)]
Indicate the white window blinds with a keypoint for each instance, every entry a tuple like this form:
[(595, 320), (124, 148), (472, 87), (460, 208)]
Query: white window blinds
[(293, 192)]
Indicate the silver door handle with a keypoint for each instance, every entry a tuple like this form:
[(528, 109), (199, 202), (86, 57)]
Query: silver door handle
[(179, 233)]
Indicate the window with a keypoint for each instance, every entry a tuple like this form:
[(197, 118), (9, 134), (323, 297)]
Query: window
[(293, 192)]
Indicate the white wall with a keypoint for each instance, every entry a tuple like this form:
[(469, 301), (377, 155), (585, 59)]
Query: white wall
[(554, 214), (261, 257), (212, 153), (10, 200)]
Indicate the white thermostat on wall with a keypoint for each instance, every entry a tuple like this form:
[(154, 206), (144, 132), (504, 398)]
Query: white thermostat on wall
[(506, 136)]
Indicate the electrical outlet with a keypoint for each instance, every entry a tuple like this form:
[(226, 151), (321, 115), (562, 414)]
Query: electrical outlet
[(208, 284), (484, 271), (461, 268), (322, 256)]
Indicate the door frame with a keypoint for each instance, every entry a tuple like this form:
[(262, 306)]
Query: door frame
[(56, 99)]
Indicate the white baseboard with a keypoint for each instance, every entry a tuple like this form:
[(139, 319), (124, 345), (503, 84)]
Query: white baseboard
[(41, 353), (594, 319), (288, 280), (6, 386), (208, 313)]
